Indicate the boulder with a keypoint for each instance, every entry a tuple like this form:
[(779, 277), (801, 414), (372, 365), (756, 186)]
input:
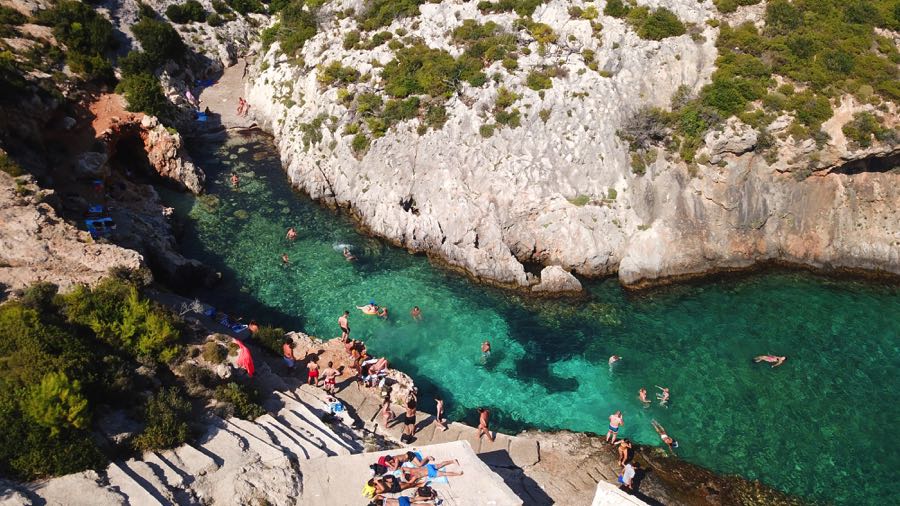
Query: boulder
[(736, 138), (556, 279), (91, 165)]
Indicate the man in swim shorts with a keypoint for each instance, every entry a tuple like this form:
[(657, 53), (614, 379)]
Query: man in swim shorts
[(615, 421), (409, 421), (330, 374), (344, 324), (430, 471), (312, 377), (288, 353)]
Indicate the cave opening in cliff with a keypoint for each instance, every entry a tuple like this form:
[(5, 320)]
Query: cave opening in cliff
[(130, 158), (869, 164)]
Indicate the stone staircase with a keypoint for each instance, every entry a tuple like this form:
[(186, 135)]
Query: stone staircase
[(235, 462)]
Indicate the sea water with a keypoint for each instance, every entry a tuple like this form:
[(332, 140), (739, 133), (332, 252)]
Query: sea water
[(823, 426)]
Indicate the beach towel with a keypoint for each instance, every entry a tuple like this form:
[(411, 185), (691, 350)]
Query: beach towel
[(244, 359)]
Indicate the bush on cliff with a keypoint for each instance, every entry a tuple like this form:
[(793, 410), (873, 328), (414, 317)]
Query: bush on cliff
[(242, 400), (521, 7), (55, 369), (419, 69), (270, 338), (160, 41), (297, 25), (144, 94), (87, 36), (188, 12), (167, 414), (380, 13)]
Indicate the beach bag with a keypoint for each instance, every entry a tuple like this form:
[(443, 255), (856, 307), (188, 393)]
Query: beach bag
[(368, 491)]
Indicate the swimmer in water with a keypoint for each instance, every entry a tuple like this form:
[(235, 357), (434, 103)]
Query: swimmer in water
[(772, 359), (291, 234), (485, 351), (235, 180), (663, 397), (370, 308), (348, 255), (642, 395), (285, 260), (383, 312), (416, 313), (613, 359), (671, 443)]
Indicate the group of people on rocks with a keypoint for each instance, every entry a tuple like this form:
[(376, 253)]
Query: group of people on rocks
[(394, 474)]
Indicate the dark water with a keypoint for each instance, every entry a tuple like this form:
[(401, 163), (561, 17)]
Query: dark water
[(822, 426)]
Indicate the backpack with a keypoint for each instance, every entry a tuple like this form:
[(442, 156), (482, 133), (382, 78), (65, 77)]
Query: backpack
[(378, 469)]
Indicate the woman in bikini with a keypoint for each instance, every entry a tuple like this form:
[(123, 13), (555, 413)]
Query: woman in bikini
[(671, 443), (772, 359)]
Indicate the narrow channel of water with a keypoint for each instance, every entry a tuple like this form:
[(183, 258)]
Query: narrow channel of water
[(822, 426)]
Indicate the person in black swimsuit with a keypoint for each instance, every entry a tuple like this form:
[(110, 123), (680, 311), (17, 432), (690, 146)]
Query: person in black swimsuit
[(409, 421)]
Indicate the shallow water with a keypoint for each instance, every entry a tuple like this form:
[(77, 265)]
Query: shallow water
[(821, 426)]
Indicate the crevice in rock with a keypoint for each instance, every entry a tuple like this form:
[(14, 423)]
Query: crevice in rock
[(869, 164)]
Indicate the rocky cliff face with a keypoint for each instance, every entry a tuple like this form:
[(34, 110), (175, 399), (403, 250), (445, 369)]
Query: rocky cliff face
[(559, 190), (37, 245)]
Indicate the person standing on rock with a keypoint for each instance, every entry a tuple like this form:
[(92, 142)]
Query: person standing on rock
[(288, 353), (386, 412), (439, 413), (312, 377), (624, 451), (627, 477), (615, 421), (344, 324), (484, 421), (409, 421), (330, 375)]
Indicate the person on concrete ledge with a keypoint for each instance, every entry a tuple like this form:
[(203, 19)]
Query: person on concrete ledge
[(484, 420)]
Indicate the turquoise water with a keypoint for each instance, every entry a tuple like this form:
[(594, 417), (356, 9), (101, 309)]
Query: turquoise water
[(822, 426)]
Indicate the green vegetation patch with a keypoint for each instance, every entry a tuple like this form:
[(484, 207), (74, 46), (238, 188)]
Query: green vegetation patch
[(167, 414), (865, 128), (381, 13), (520, 7), (487, 43), (188, 12), (61, 356), (297, 25), (504, 113), (729, 6), (335, 74), (421, 70), (87, 36), (144, 94), (242, 400)]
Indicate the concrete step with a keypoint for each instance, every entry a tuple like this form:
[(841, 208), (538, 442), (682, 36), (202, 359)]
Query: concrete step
[(79, 489), (137, 489), (167, 471), (232, 444), (297, 442), (321, 430), (256, 439), (191, 461)]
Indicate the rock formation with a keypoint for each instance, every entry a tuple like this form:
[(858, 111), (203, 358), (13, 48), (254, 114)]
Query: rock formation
[(37, 245), (559, 190)]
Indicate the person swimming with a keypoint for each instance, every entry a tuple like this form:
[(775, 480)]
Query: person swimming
[(291, 234), (663, 397), (235, 180), (668, 440), (772, 359), (371, 308), (642, 395), (485, 351), (348, 255)]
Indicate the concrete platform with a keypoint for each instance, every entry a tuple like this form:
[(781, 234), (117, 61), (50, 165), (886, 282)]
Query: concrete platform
[(610, 495), (340, 480)]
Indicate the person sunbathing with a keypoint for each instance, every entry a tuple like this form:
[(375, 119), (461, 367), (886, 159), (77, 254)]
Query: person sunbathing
[(430, 471), (389, 484), (399, 501), (370, 308)]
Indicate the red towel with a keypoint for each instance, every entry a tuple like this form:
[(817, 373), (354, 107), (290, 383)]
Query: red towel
[(244, 359)]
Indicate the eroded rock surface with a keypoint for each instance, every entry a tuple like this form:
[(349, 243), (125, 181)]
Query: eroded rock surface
[(559, 189)]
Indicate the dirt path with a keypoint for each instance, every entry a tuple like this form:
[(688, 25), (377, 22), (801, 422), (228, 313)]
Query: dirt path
[(222, 98)]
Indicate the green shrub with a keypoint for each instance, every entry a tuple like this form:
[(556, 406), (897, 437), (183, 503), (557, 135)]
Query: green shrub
[(579, 200), (11, 17), (214, 20), (655, 25), (214, 353), (9, 166), (166, 414), (271, 338), (187, 12), (419, 69), (117, 314), (611, 194), (396, 111), (57, 404), (220, 7), (616, 8), (810, 109), (538, 80), (486, 130), (159, 41), (523, 8), (729, 6), (351, 39), (295, 28), (247, 6), (144, 94), (368, 104), (335, 74), (435, 116), (242, 400), (360, 144), (380, 13), (487, 42), (544, 114), (87, 35), (865, 127)]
